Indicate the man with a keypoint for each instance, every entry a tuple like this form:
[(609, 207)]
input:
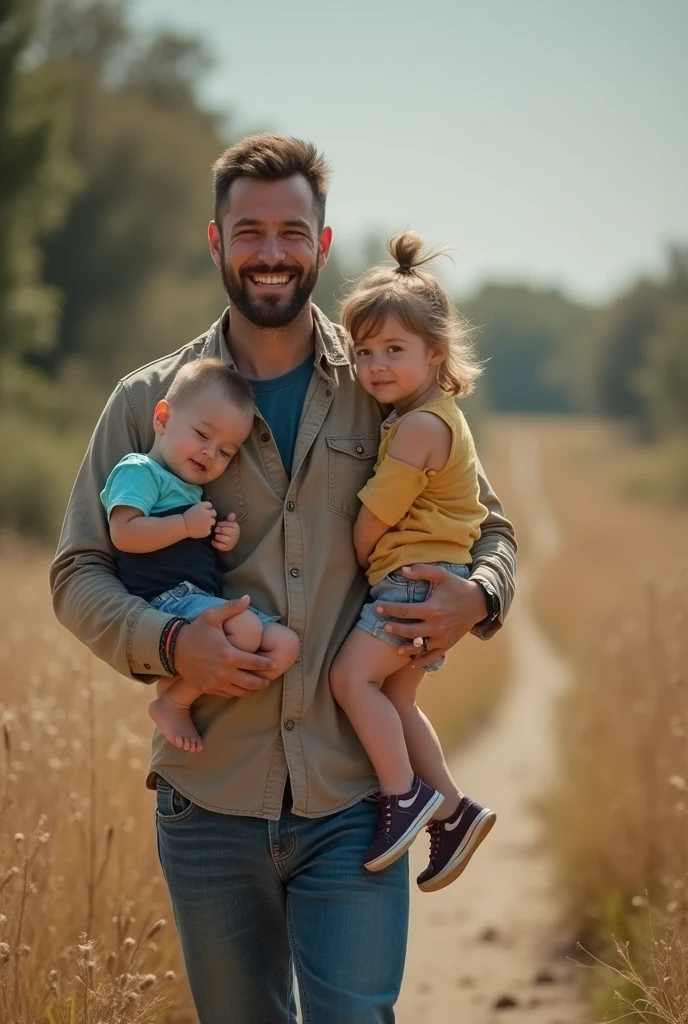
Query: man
[(262, 835)]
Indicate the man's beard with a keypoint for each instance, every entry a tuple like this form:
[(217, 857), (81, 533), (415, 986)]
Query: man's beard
[(268, 311)]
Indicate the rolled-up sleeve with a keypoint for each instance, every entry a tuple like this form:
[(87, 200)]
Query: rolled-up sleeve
[(494, 555), (390, 493), (88, 596)]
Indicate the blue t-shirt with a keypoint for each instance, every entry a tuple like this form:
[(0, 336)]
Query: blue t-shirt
[(140, 482), (280, 402)]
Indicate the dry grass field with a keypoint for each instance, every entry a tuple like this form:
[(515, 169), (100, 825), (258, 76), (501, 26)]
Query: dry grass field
[(83, 906), (616, 597)]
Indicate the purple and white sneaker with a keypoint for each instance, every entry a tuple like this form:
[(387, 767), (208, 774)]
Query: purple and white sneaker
[(399, 820), (453, 842)]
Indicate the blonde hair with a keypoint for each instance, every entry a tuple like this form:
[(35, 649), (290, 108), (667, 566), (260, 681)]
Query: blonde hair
[(421, 304)]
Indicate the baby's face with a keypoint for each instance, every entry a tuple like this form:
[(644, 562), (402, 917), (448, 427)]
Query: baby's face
[(201, 435)]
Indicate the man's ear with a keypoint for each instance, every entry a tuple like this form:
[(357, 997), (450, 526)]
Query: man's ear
[(215, 242), (161, 417), (324, 245)]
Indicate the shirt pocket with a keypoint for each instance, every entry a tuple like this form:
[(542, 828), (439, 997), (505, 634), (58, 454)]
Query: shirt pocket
[(351, 461)]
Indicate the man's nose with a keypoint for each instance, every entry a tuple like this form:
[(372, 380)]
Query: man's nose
[(272, 250)]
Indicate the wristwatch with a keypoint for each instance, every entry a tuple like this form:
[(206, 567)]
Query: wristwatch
[(493, 605)]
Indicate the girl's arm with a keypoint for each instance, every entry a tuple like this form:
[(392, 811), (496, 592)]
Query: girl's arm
[(422, 441), (368, 530), (132, 531)]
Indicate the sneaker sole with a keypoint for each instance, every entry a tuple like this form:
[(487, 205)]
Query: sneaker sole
[(459, 862), (402, 844)]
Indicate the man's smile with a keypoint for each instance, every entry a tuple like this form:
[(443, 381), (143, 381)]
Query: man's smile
[(271, 280)]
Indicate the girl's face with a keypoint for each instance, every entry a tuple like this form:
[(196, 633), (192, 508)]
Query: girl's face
[(395, 365)]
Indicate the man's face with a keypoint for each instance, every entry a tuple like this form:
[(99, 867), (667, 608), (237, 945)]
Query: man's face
[(269, 249)]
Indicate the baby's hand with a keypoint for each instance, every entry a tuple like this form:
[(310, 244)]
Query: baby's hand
[(226, 533), (200, 519)]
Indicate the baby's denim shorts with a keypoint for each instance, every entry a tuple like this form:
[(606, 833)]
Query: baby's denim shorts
[(189, 601), (395, 587)]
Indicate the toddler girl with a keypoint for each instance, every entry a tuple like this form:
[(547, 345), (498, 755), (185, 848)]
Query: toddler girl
[(421, 505), (165, 533)]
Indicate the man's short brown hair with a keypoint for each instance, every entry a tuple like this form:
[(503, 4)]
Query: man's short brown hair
[(203, 373), (266, 157)]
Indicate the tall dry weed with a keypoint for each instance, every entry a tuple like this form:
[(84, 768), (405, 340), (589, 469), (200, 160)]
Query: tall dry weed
[(616, 596), (82, 903)]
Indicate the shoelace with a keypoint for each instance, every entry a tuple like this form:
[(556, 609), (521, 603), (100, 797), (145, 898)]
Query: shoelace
[(384, 818), (435, 839)]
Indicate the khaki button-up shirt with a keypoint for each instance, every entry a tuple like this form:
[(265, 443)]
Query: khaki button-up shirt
[(295, 558)]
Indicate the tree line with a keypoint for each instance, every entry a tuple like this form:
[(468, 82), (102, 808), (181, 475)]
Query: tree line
[(105, 154)]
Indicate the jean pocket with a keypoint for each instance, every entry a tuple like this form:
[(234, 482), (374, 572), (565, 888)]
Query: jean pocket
[(350, 464), (172, 805)]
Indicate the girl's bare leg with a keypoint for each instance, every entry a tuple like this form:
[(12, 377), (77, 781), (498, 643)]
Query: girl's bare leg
[(422, 743), (356, 678)]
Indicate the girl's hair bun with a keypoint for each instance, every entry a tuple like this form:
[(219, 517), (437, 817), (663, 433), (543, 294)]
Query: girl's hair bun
[(409, 251), (405, 250)]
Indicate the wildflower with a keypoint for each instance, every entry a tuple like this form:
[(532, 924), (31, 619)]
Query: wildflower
[(19, 837), (170, 976), (147, 981), (4, 952), (678, 782), (129, 943)]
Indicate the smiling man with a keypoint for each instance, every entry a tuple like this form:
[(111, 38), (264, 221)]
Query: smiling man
[(262, 835)]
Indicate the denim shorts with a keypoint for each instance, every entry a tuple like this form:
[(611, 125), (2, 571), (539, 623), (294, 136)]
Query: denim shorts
[(189, 602), (395, 587)]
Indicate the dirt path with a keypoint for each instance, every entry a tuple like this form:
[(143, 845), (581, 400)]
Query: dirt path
[(492, 935)]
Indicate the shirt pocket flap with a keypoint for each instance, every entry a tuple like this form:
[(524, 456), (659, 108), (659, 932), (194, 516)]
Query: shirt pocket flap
[(361, 446)]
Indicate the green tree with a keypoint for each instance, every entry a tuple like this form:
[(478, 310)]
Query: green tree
[(36, 178), (529, 339)]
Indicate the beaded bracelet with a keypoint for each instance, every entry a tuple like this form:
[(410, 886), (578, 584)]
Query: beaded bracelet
[(168, 642)]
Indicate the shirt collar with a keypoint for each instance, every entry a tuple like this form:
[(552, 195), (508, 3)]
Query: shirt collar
[(329, 343)]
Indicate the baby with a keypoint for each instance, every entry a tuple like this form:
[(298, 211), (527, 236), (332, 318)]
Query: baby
[(165, 533)]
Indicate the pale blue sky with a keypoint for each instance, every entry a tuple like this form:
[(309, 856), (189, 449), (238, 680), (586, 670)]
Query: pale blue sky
[(543, 140)]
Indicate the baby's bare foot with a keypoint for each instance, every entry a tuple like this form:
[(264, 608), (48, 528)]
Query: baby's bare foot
[(174, 722)]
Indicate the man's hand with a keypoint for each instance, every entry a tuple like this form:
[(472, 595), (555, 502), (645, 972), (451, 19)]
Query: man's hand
[(452, 608), (200, 519), (204, 656), (226, 534)]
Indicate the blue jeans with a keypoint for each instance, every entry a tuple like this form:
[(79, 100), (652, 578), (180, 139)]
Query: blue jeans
[(190, 601), (254, 899), (395, 587)]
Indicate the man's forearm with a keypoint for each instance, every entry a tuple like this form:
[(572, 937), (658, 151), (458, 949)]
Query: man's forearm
[(92, 603)]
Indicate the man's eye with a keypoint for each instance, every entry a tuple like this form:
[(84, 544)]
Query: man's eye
[(298, 235)]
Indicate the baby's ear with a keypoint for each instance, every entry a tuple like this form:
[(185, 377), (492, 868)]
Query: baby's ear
[(161, 416)]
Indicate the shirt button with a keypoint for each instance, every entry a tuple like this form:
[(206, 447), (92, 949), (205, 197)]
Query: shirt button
[(290, 506), (265, 437), (359, 449), (295, 572), (328, 393), (146, 665), (289, 724)]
